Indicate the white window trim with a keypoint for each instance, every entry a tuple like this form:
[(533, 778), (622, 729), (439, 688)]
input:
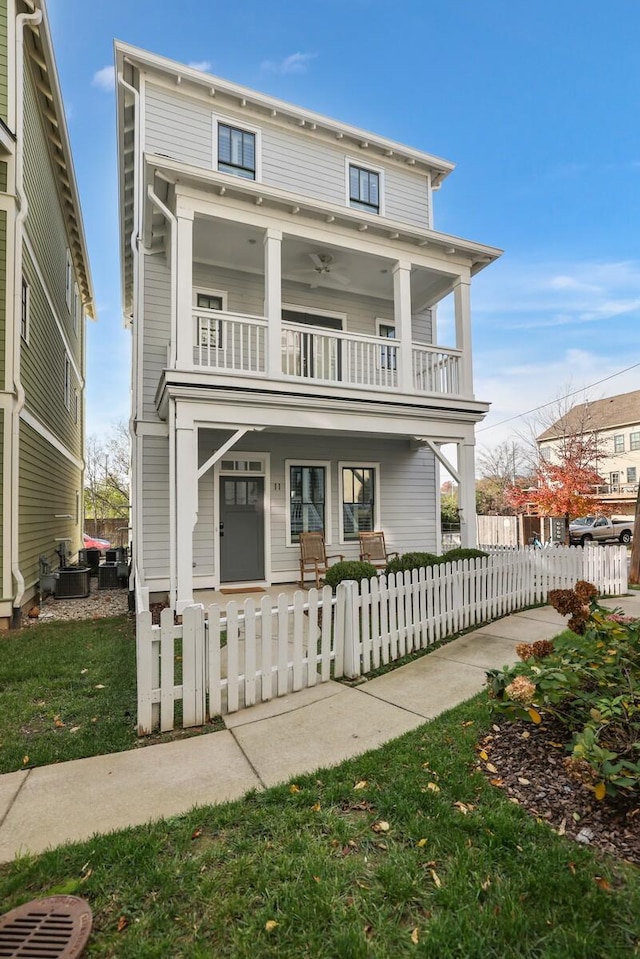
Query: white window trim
[(376, 493), (361, 163), (67, 382), (224, 296), (68, 280), (619, 448), (237, 124), (634, 448), (24, 283), (326, 464), (75, 313), (331, 314), (76, 406)]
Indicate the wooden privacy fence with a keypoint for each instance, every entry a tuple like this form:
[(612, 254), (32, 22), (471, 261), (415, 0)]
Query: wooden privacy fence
[(211, 664)]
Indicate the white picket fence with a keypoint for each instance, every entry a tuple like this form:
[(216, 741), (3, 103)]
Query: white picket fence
[(213, 664)]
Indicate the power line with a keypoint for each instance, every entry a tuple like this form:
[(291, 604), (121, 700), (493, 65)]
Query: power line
[(557, 399)]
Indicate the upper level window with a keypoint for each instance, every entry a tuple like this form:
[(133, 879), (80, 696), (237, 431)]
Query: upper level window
[(634, 441), (618, 443), (545, 453), (209, 330), (68, 280), (24, 310), (364, 189), (236, 151)]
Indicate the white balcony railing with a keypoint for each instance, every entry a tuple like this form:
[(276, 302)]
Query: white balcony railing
[(230, 342), (237, 343)]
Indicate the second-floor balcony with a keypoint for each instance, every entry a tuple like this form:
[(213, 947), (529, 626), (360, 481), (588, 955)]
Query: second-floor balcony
[(232, 343)]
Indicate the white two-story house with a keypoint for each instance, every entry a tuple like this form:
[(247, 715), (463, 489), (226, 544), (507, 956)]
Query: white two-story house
[(281, 274)]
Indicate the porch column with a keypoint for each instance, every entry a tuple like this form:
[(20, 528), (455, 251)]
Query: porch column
[(462, 306), (467, 493), (273, 300), (402, 313), (186, 493), (184, 288)]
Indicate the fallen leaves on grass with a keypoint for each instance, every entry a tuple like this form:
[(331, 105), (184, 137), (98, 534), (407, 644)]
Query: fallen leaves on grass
[(415, 936), (123, 922), (381, 826), (270, 925), (361, 784)]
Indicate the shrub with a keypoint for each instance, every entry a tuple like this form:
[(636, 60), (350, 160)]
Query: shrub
[(349, 569), (410, 561), (590, 683), (453, 555)]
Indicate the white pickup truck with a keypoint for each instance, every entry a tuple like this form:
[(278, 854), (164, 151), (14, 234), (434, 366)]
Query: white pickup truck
[(600, 529)]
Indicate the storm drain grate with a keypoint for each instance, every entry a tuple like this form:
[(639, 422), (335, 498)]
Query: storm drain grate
[(54, 928)]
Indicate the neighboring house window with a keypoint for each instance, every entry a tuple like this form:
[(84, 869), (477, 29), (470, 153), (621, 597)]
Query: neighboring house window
[(364, 189), (634, 441), (618, 444), (67, 382), (632, 474), (545, 453), (25, 297), (308, 498), (209, 329), (68, 280), (77, 307), (236, 151), (358, 488)]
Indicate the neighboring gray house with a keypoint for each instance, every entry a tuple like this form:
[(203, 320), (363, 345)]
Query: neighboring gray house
[(281, 273), (45, 294)]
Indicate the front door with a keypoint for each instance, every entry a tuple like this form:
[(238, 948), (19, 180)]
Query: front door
[(241, 529)]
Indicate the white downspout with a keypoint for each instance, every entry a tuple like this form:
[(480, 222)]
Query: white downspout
[(133, 241), (23, 208), (173, 528)]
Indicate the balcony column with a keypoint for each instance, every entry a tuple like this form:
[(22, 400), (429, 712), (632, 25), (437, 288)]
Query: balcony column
[(273, 300), (402, 313), (467, 493), (184, 288), (462, 306), (186, 506)]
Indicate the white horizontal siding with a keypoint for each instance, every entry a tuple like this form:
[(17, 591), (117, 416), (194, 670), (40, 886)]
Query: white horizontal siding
[(177, 126), (181, 127), (155, 505)]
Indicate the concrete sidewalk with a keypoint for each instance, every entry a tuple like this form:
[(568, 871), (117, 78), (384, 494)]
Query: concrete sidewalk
[(263, 745)]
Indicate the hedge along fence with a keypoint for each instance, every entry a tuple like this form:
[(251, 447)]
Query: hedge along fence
[(257, 652)]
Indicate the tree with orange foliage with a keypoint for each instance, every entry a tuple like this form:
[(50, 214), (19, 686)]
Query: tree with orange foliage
[(564, 482)]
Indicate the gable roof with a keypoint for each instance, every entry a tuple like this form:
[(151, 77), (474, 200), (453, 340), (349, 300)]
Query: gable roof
[(606, 414)]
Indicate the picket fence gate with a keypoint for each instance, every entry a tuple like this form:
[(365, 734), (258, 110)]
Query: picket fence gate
[(210, 664)]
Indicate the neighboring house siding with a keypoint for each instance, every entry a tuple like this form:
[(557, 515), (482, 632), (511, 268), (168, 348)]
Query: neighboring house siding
[(43, 366), (1, 498), (4, 64), (48, 485), (45, 224), (3, 177), (3, 292), (182, 127)]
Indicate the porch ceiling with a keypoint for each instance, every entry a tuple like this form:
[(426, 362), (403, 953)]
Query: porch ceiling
[(240, 247)]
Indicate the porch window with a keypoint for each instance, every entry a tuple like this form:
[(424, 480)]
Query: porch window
[(358, 500), (632, 474), (236, 151), (209, 329), (307, 499), (364, 189), (388, 355)]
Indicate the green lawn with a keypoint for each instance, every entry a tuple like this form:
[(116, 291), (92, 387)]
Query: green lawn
[(459, 872)]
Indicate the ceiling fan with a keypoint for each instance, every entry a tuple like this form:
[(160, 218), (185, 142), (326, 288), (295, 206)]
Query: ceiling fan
[(322, 268)]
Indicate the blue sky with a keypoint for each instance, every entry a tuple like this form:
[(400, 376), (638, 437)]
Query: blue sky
[(537, 104)]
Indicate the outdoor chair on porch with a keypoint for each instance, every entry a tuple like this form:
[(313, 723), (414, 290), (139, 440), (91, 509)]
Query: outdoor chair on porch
[(313, 556), (373, 549)]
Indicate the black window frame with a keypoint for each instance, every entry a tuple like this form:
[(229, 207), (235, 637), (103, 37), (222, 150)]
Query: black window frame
[(319, 505), (360, 196), (226, 164), (354, 509)]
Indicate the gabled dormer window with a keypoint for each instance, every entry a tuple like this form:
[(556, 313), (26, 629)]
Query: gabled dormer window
[(237, 151), (364, 189)]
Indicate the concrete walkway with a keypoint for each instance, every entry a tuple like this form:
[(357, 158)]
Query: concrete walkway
[(263, 745)]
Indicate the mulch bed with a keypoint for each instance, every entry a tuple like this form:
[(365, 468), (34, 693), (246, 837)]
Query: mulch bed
[(530, 767)]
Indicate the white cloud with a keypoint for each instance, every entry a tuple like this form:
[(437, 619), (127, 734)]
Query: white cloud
[(105, 79), (294, 63), (203, 65)]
